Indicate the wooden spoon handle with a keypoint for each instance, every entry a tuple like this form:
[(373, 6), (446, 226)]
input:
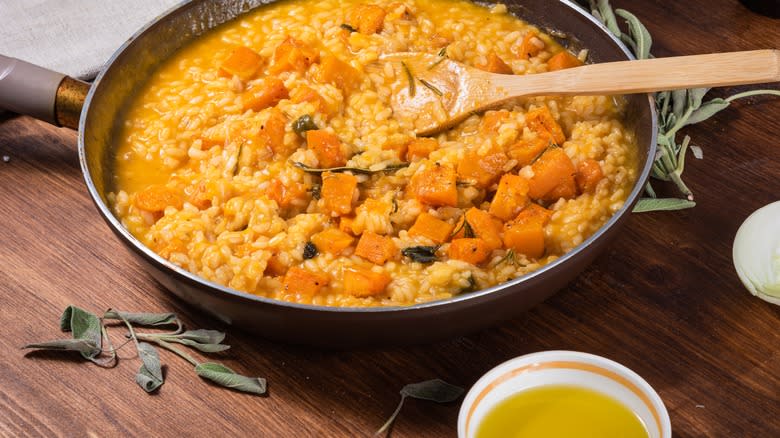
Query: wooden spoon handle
[(625, 77)]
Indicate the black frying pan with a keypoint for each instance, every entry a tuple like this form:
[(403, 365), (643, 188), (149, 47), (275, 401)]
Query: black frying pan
[(52, 97)]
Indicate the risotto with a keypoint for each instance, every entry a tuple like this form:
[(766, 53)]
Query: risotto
[(266, 157)]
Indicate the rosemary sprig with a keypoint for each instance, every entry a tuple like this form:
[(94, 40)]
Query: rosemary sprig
[(410, 78), (431, 87), (676, 109), (317, 171)]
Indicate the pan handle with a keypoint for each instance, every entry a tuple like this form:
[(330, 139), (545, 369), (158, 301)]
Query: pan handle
[(41, 93)]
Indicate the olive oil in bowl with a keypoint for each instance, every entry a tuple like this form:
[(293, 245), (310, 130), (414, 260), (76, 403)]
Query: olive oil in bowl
[(561, 411)]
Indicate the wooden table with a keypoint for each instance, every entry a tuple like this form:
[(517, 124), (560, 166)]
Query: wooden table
[(663, 300)]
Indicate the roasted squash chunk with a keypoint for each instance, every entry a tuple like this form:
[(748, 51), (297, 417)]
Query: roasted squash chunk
[(337, 192), (491, 121), (271, 133), (375, 248), (527, 151), (431, 227), (482, 225), (511, 197), (339, 73), (525, 238), (363, 282), (367, 19), (302, 283), (563, 60), (221, 134), (157, 197), (264, 95), (242, 62), (435, 185), (293, 55), (588, 175), (552, 169), (326, 147), (420, 148), (332, 240), (495, 64), (530, 46), (483, 170), (471, 250), (286, 194), (541, 121), (304, 93)]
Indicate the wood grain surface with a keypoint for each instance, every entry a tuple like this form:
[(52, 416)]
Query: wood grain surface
[(664, 299)]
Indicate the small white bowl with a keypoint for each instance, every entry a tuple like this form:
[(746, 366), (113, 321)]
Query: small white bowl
[(564, 368)]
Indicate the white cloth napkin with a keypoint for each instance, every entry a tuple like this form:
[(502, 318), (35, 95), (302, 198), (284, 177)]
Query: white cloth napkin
[(75, 37)]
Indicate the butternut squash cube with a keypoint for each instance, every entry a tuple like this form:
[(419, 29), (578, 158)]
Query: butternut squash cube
[(420, 148), (326, 147), (242, 62), (285, 195), (363, 282), (293, 55), (483, 170), (435, 185), (264, 95), (431, 227), (527, 151), (588, 175), (302, 283), (552, 169), (470, 250), (337, 192), (530, 46), (367, 19), (339, 73), (541, 121), (511, 197), (525, 238), (495, 64), (332, 240), (491, 121), (563, 60), (156, 198), (375, 248)]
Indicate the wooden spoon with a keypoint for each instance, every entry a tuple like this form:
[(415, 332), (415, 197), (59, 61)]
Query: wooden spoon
[(436, 93)]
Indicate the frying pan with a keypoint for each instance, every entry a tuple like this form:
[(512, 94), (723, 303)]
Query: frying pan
[(28, 89)]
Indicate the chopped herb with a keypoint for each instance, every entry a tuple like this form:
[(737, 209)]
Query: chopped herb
[(472, 285), (346, 26), (431, 87), (421, 254), (309, 251), (410, 78), (388, 168), (316, 191), (468, 231), (304, 123), (509, 257), (442, 51), (395, 205)]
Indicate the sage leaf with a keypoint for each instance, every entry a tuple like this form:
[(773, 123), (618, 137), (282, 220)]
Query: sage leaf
[(204, 347), (662, 204), (84, 326), (304, 123), (316, 171), (707, 110), (421, 254), (145, 319), (228, 378), (150, 375), (203, 336), (435, 390), (639, 32), (347, 27), (83, 346)]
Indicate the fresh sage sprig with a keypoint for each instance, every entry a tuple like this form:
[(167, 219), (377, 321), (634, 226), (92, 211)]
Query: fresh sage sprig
[(676, 109), (89, 331), (435, 390)]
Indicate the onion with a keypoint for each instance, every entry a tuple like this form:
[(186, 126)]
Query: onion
[(757, 253)]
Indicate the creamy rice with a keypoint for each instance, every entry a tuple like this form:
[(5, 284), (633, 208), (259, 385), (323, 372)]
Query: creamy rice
[(221, 220)]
